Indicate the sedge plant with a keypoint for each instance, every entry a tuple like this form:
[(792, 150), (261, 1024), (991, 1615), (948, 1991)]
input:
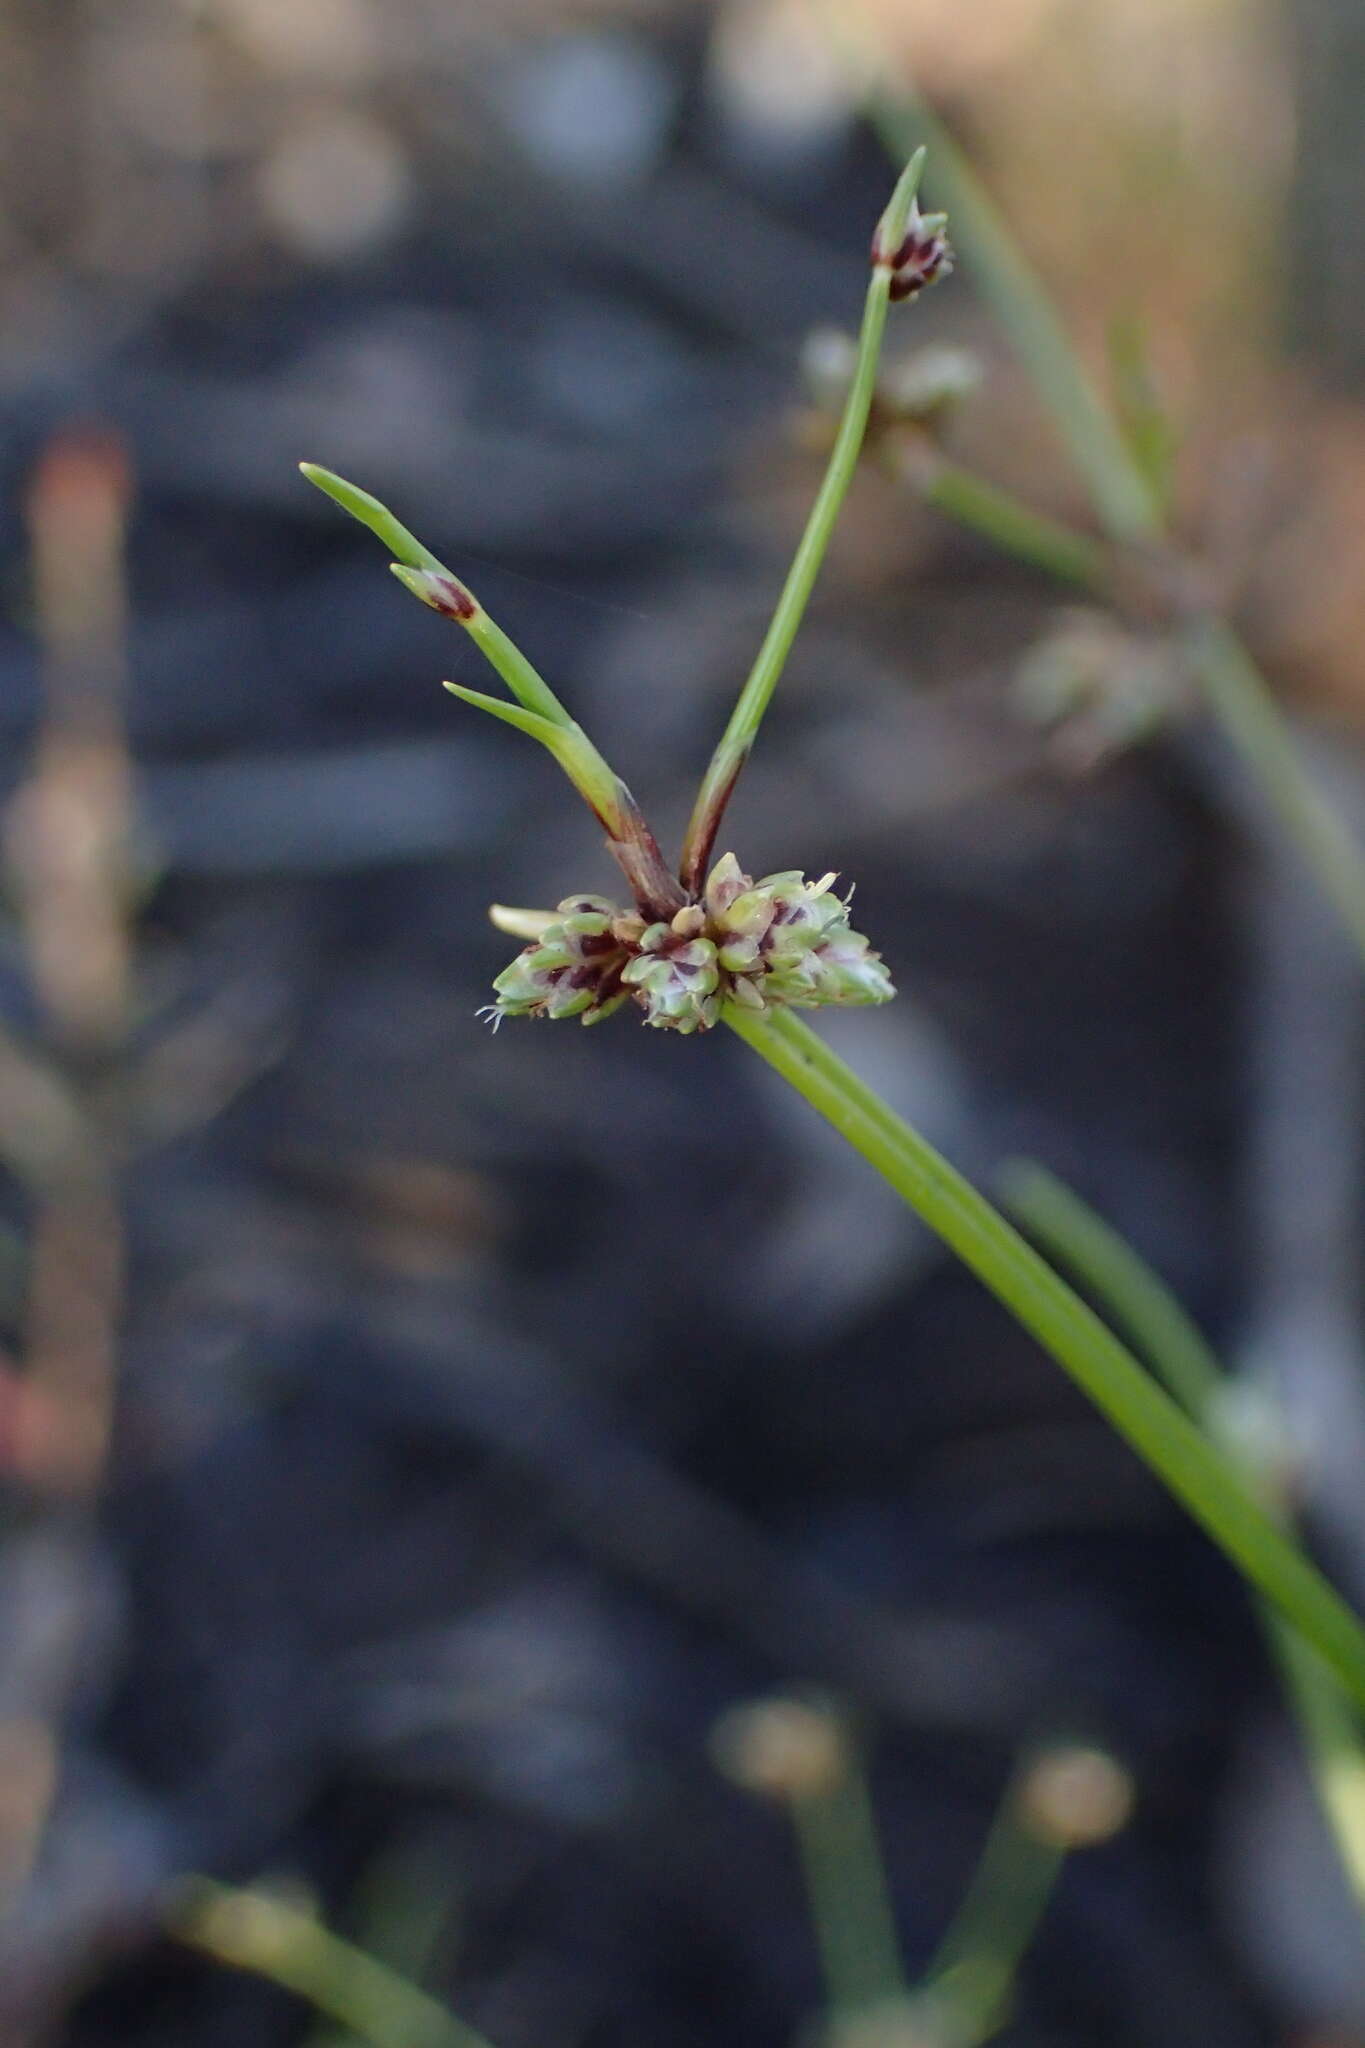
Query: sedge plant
[(707, 945)]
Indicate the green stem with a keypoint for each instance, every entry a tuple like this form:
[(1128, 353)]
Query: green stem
[(498, 648), (1197, 1474), (1121, 493), (979, 1957), (1141, 1303), (419, 571), (595, 780), (738, 737), (1332, 1744), (503, 655), (1252, 720), (1006, 520), (251, 1930), (849, 1905)]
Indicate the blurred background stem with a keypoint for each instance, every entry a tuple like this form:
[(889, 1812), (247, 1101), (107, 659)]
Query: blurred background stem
[(1243, 703), (1124, 500), (978, 1959), (1121, 495), (277, 1939), (67, 836), (849, 1902), (1141, 1305), (67, 845), (998, 516)]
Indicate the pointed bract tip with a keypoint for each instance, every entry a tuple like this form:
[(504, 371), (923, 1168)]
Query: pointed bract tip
[(890, 232), (511, 714), (365, 507), (327, 480), (521, 924)]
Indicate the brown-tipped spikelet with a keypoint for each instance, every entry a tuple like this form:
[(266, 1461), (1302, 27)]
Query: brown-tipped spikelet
[(925, 256)]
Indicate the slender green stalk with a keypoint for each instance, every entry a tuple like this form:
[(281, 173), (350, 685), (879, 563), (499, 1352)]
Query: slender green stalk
[(1139, 1304), (255, 1931), (498, 649), (536, 712), (419, 571), (1332, 1743), (403, 1910), (577, 756), (738, 737), (1236, 689), (1121, 493), (362, 505), (1146, 1417), (1252, 720), (1142, 1305), (1012, 525), (849, 1904), (978, 1959), (1148, 430)]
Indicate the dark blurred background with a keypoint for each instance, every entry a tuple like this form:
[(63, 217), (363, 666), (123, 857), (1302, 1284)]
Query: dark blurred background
[(415, 1439)]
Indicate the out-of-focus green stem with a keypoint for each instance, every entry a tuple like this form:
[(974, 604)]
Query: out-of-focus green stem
[(1236, 690), (846, 1884), (1199, 1476), (1142, 1305), (1012, 525), (1137, 1301), (255, 1931), (978, 1959), (1122, 496), (1252, 720), (738, 737), (1332, 1743)]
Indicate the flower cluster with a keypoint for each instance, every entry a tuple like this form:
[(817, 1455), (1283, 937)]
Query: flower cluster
[(923, 256), (783, 940)]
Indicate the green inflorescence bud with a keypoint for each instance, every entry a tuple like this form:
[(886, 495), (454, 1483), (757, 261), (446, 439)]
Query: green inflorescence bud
[(781, 941), (573, 969), (811, 953), (675, 975)]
